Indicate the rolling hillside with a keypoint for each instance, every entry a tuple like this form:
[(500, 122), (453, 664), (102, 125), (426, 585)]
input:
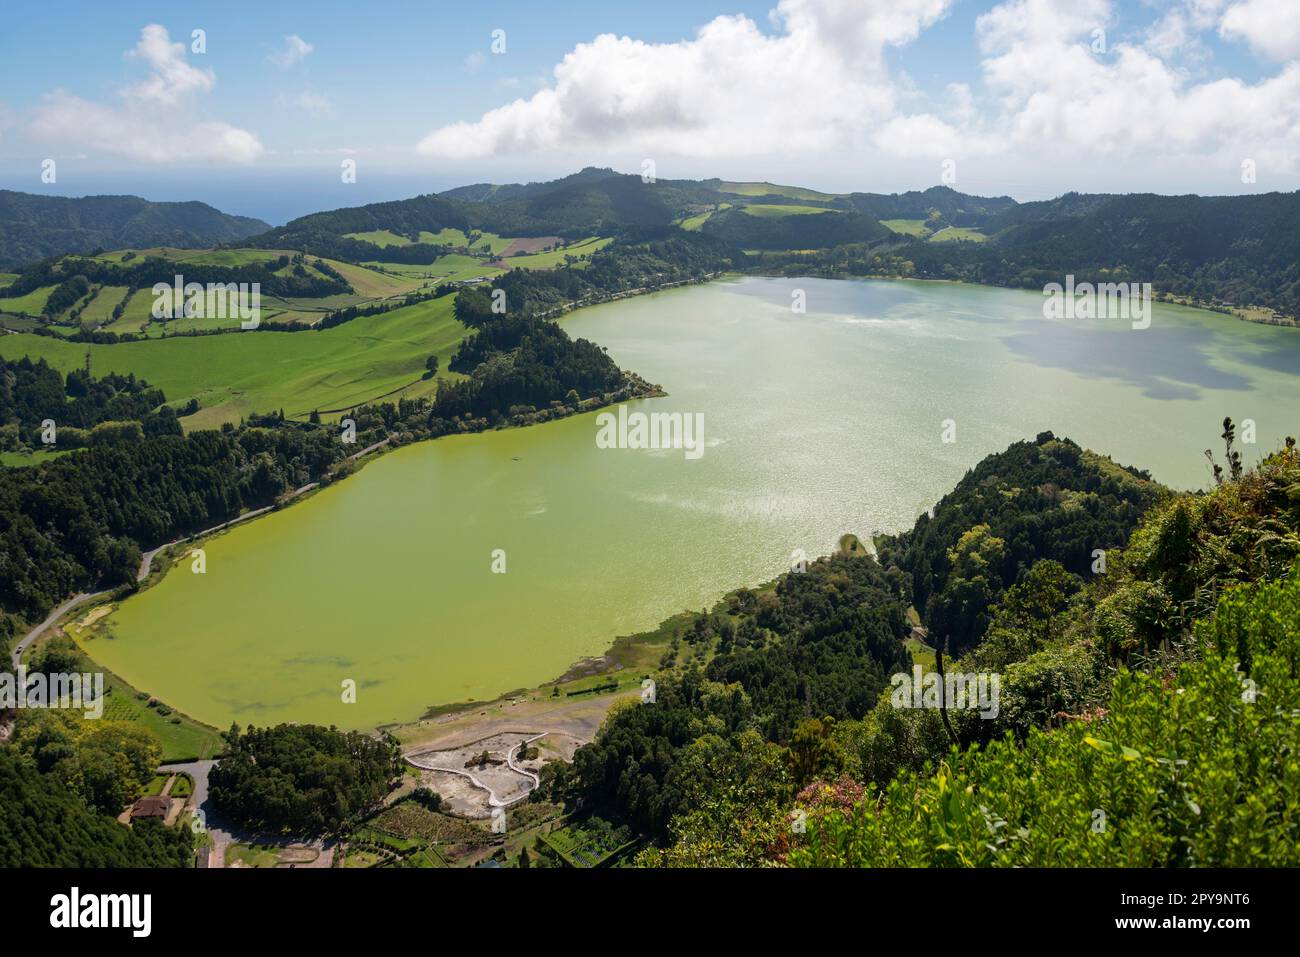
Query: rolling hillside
[(33, 227)]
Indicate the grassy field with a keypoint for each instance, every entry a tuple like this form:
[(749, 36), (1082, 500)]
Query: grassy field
[(30, 304), (236, 374), (953, 234), (693, 223), (100, 310), (763, 209), (555, 257), (771, 189), (19, 460), (908, 227), (136, 315), (454, 267), (6, 278)]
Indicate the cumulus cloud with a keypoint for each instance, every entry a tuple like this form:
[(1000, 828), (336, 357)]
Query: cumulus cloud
[(1271, 27), (154, 120), (818, 82), (1056, 75), (293, 52), (1054, 91)]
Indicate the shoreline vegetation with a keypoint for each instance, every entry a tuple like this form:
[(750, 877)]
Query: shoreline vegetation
[(588, 676)]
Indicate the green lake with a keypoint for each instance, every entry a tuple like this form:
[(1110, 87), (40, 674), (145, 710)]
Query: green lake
[(815, 424)]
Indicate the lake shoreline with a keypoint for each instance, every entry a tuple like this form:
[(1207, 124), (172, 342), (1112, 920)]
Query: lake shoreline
[(594, 662)]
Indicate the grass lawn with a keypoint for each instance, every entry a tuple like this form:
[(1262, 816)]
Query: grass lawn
[(252, 855), (763, 209), (357, 858)]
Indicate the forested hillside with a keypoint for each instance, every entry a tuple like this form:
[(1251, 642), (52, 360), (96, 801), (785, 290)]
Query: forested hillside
[(34, 227), (774, 738)]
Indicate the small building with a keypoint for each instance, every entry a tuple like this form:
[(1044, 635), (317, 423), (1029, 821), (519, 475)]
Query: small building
[(153, 806)]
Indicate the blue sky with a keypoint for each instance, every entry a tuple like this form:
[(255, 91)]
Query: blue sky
[(1024, 97)]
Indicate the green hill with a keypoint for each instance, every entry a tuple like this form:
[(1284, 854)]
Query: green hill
[(33, 227)]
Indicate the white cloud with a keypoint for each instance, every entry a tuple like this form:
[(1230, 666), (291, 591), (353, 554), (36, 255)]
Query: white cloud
[(155, 120), (173, 78), (1053, 92), (818, 82), (1271, 27), (294, 51)]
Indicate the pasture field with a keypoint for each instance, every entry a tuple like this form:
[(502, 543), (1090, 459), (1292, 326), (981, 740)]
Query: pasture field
[(379, 237), (371, 284), (908, 227), (454, 267), (100, 309), (236, 374), (30, 304), (137, 314), (764, 209), (6, 278), (958, 234), (555, 257), (20, 460), (228, 257), (771, 189)]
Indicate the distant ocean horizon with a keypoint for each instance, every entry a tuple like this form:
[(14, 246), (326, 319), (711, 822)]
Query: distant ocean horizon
[(274, 196)]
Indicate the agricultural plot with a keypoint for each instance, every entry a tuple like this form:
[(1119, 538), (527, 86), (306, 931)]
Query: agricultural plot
[(236, 374), (771, 189), (958, 234), (137, 314), (29, 304), (908, 227), (765, 209), (99, 311), (555, 257), (593, 842), (454, 267)]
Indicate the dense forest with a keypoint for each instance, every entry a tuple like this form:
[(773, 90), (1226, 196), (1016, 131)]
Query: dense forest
[(33, 392), (302, 779), (42, 824)]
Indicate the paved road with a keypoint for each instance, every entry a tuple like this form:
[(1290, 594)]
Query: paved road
[(53, 617), (198, 770)]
